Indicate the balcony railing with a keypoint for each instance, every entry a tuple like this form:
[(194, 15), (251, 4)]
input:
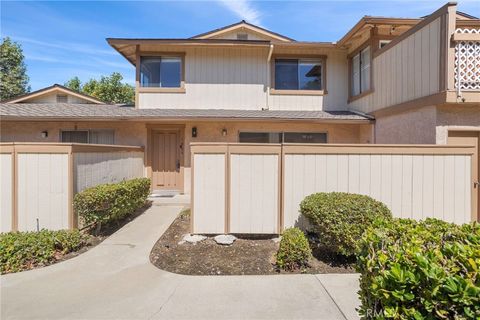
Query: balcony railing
[(467, 59)]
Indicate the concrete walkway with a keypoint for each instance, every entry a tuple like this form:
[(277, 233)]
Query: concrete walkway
[(115, 280)]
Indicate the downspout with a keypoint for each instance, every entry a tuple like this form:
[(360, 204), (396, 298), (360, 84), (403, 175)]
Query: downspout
[(270, 51)]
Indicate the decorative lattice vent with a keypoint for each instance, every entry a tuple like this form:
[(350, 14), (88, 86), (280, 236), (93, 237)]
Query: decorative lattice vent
[(467, 62)]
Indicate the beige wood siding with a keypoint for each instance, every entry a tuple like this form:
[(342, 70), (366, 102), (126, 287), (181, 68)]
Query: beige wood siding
[(94, 168), (254, 194), (217, 79), (407, 71), (336, 86), (210, 193), (6, 192), (42, 191), (412, 186), (239, 78)]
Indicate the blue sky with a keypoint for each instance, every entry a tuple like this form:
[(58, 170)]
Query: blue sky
[(62, 39)]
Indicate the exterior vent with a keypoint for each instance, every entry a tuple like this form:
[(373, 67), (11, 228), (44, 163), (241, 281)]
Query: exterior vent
[(62, 98), (242, 36)]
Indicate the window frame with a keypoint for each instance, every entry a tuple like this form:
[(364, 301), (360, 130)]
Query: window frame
[(282, 135), (88, 131), (140, 89), (358, 51), (322, 58)]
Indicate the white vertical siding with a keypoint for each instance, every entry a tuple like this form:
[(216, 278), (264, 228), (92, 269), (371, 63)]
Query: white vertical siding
[(42, 191), (210, 193), (412, 186), (94, 168), (6, 192), (254, 181), (407, 71)]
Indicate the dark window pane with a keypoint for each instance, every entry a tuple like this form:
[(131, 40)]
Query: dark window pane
[(102, 136), (286, 74), (150, 71), (170, 71), (309, 75), (305, 137), (75, 136), (260, 137)]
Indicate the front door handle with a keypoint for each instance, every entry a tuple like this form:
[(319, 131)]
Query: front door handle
[(178, 164), (476, 184)]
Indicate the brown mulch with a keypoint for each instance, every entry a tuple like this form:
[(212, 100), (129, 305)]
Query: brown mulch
[(246, 256)]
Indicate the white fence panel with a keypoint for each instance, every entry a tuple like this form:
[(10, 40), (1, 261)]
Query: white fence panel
[(43, 182), (254, 193), (210, 193), (412, 186), (6, 192)]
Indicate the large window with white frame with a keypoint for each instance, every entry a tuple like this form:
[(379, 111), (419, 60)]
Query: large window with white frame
[(360, 72)]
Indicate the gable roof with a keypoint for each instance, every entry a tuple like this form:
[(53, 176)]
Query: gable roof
[(54, 88), (245, 25)]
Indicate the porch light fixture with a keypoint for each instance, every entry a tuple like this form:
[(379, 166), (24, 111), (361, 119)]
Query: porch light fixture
[(224, 132), (44, 134), (194, 132)]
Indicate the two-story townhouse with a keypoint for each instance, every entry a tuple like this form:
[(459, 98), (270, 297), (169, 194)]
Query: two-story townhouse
[(243, 83)]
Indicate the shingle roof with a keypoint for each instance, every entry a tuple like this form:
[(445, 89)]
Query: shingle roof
[(50, 88), (46, 111)]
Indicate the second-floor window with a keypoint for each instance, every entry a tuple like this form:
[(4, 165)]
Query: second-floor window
[(161, 72), (299, 74), (360, 73)]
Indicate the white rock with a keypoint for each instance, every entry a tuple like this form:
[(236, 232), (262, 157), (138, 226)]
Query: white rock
[(277, 240), (193, 238), (225, 239)]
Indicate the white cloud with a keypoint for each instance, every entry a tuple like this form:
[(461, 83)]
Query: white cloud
[(244, 10)]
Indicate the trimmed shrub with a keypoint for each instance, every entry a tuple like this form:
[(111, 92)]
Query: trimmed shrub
[(111, 202), (294, 251), (25, 250), (420, 270), (339, 219)]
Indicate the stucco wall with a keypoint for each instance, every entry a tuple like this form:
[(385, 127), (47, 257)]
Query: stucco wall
[(411, 127), (212, 131), (126, 133), (458, 118)]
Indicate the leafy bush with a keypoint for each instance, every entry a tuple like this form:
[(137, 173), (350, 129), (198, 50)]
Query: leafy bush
[(339, 219), (420, 270), (294, 251), (111, 202), (25, 250)]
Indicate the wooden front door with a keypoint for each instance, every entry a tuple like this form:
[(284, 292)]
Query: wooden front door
[(466, 138), (166, 160)]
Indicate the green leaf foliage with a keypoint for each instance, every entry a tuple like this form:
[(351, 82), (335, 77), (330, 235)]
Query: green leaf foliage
[(294, 251), (109, 89), (13, 71), (110, 202), (339, 219), (25, 250), (419, 270)]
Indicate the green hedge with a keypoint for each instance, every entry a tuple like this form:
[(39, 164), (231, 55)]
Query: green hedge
[(339, 219), (25, 250), (294, 251), (420, 270), (111, 202)]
